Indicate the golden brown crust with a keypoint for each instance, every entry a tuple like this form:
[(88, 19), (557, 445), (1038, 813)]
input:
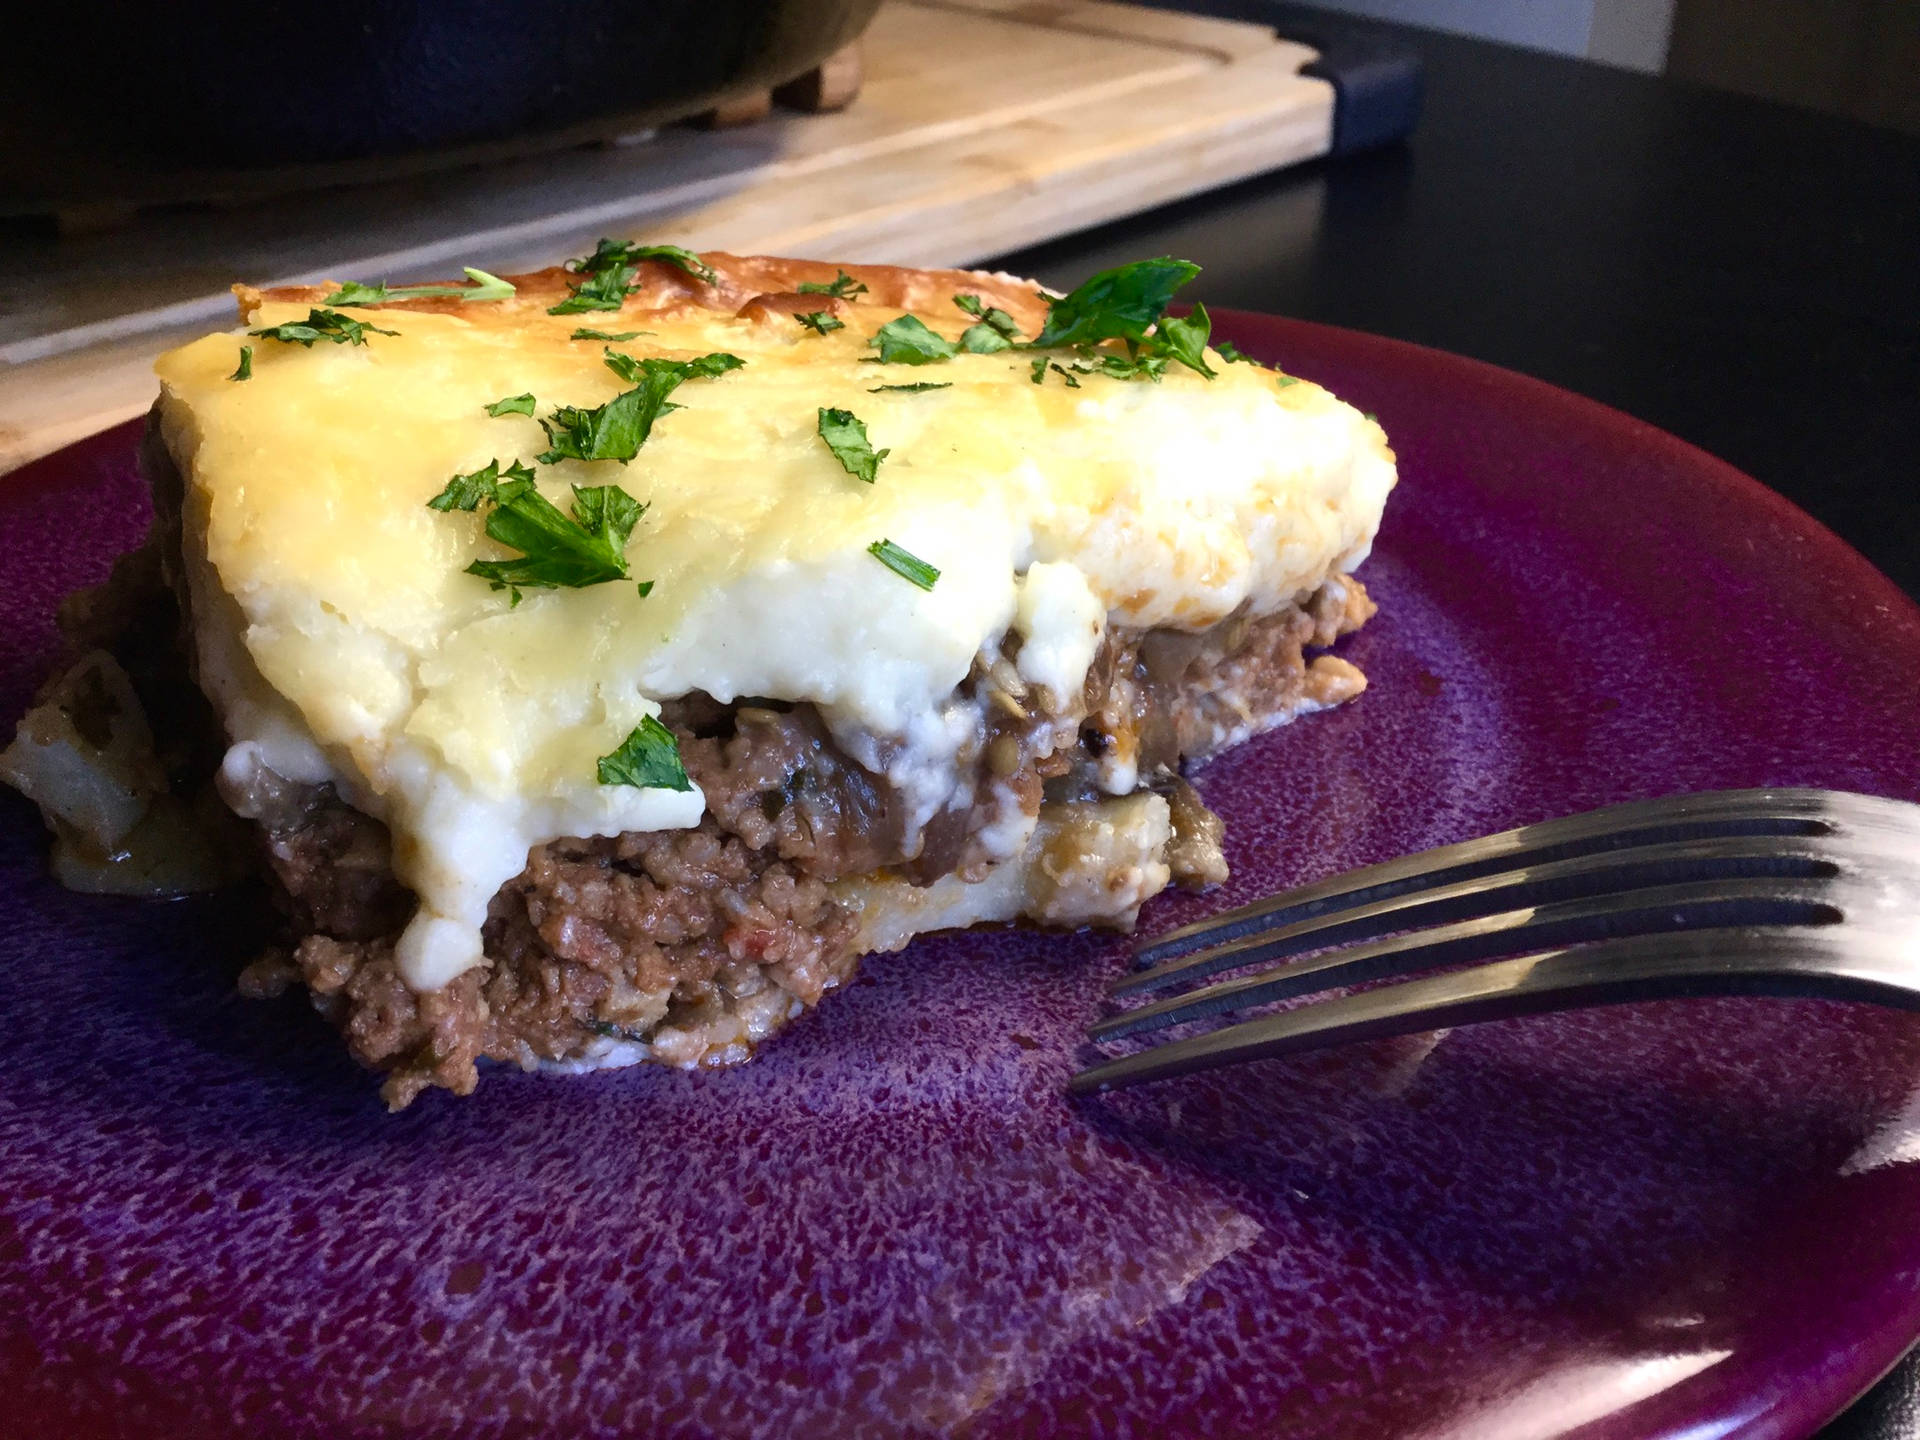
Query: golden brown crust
[(665, 290)]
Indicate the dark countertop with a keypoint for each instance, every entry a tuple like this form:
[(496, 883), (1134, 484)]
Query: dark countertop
[(1742, 274)]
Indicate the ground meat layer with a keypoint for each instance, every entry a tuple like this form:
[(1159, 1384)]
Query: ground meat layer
[(691, 946)]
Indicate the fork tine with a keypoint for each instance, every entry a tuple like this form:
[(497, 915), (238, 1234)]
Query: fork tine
[(1636, 823), (1662, 910), (1602, 873), (1837, 962)]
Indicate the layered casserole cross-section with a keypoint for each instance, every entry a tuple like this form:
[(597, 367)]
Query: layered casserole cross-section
[(608, 661)]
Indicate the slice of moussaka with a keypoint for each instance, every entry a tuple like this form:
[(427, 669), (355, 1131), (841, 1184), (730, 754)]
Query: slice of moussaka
[(606, 658)]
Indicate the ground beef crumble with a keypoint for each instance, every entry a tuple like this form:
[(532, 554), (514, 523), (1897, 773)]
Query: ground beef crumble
[(682, 938)]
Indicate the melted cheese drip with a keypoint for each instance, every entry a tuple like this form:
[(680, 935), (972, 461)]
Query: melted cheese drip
[(334, 595)]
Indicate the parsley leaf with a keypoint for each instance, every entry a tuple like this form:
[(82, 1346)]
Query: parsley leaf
[(1185, 340), (607, 255), (607, 512), (646, 588), (846, 437), (617, 429), (918, 387), (583, 333), (610, 271), (1230, 352), (1038, 370), (996, 320), (244, 370), (1129, 304), (995, 332), (673, 255), (354, 293), (1118, 304), (820, 322), (588, 549), (843, 287), (613, 431), (610, 255), (601, 290), (648, 759), (512, 405), (322, 325), (1066, 375), (706, 367), (1144, 366), (907, 341), (484, 287), (907, 566), (465, 492)]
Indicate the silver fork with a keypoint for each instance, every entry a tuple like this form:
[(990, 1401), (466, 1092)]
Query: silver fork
[(1734, 892)]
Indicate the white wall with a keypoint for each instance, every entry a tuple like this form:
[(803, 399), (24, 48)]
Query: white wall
[(1632, 33)]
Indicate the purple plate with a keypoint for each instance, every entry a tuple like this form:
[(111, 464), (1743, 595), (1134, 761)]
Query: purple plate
[(1688, 1218)]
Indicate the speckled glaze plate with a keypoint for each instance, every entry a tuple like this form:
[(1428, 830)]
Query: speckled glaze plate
[(1692, 1218)]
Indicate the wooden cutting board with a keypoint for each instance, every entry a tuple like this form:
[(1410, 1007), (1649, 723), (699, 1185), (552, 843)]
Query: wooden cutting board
[(982, 126)]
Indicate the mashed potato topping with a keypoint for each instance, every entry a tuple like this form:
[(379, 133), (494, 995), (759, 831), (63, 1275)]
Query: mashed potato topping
[(343, 638)]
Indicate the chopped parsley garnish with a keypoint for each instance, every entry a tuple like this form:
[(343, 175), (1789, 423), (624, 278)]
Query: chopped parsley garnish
[(1037, 371), (1129, 303), (648, 759), (583, 333), (354, 293), (617, 429), (1185, 339), (995, 332), (484, 287), (1143, 366), (820, 322), (607, 254), (610, 271), (244, 370), (1230, 352), (908, 567), (996, 320), (646, 588), (983, 340), (1280, 381), (465, 492), (842, 287), (907, 341), (322, 325), (613, 431), (602, 290), (846, 437), (1118, 304), (706, 367), (512, 405), (615, 254), (1123, 367), (917, 388), (587, 549)]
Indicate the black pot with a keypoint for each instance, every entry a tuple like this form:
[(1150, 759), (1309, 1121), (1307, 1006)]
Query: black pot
[(133, 95)]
